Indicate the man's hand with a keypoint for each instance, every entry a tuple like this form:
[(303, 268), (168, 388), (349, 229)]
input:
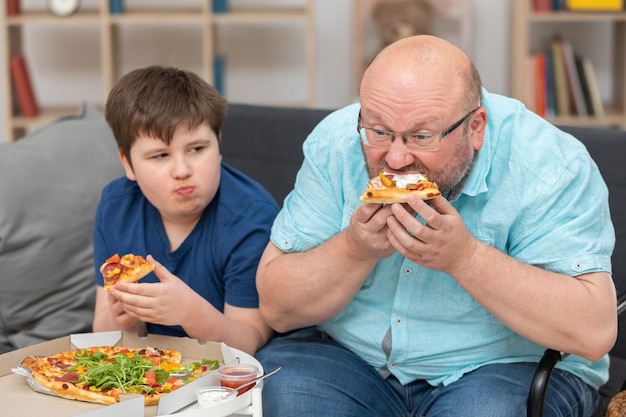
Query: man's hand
[(443, 243), (367, 231)]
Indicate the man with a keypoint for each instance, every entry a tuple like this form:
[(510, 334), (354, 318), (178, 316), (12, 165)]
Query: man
[(440, 308), (202, 223)]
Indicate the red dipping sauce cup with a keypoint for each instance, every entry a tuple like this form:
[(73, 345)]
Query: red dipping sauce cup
[(233, 376)]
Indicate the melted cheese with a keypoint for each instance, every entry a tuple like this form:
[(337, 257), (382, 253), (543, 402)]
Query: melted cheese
[(403, 180)]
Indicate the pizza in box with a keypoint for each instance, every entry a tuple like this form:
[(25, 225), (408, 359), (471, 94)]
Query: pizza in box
[(101, 374)]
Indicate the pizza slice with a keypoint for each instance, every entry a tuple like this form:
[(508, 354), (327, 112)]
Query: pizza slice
[(389, 188), (128, 268)]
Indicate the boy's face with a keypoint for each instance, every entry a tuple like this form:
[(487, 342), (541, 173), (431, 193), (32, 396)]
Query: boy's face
[(179, 179)]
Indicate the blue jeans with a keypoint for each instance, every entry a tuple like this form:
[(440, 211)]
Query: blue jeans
[(320, 377)]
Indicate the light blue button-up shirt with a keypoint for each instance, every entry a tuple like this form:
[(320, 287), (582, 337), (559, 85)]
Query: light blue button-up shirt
[(533, 193)]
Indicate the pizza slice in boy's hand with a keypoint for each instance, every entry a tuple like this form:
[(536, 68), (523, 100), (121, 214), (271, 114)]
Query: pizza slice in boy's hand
[(128, 268), (389, 188)]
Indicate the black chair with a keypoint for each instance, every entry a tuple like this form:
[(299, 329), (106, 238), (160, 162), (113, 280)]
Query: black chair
[(608, 149)]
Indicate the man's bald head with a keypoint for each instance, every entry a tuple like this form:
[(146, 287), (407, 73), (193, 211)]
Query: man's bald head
[(421, 62)]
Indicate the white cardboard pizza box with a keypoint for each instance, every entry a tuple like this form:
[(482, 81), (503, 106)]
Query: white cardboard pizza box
[(18, 399)]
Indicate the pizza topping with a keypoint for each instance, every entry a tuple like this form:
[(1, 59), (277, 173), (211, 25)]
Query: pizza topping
[(408, 181), (195, 369), (70, 376), (386, 179), (115, 259), (110, 272), (120, 371)]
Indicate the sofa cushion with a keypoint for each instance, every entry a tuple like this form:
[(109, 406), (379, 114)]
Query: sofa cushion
[(266, 143), (50, 183)]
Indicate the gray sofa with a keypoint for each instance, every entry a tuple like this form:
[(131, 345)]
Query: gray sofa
[(50, 185)]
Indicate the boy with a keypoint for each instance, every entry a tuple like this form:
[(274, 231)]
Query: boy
[(202, 223)]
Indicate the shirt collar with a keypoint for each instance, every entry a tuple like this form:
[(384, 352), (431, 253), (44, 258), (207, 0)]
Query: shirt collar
[(476, 182)]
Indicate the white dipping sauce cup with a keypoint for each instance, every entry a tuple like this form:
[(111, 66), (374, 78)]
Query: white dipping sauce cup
[(210, 396)]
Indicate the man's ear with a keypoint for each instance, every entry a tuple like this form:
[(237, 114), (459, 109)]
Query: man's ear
[(128, 167), (477, 127)]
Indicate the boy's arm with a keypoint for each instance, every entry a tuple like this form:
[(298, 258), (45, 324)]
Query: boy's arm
[(241, 328), (130, 305)]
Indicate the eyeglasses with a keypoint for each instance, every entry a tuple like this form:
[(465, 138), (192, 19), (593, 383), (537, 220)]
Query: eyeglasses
[(414, 141)]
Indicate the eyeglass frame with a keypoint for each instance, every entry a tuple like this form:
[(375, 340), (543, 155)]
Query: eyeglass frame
[(404, 135)]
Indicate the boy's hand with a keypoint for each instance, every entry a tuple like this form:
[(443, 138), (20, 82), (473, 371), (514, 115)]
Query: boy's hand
[(160, 303), (119, 314)]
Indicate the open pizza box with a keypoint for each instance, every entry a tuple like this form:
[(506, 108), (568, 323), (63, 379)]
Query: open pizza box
[(19, 399)]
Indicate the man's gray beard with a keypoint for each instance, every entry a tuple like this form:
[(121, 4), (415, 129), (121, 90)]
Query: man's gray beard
[(453, 192)]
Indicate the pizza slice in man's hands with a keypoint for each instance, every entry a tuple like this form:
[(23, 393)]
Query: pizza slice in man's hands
[(387, 188)]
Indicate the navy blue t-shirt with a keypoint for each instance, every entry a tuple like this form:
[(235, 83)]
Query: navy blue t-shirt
[(220, 256)]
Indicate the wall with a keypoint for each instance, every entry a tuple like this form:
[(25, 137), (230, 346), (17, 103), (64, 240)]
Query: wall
[(256, 75)]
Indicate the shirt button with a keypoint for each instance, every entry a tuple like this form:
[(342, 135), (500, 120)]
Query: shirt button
[(407, 270), (393, 365), (399, 321)]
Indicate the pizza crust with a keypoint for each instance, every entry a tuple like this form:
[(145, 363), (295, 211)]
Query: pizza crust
[(152, 399), (70, 391), (391, 195)]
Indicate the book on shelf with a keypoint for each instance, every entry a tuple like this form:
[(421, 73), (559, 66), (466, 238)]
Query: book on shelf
[(218, 73), (595, 5), (23, 87), (561, 89), (584, 86), (542, 5), (220, 6), (577, 5), (116, 6), (544, 85), (592, 84), (530, 77), (577, 100), (13, 7), (550, 97), (548, 5), (541, 91)]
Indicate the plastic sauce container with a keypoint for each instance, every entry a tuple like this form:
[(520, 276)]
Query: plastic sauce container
[(211, 396), (232, 376)]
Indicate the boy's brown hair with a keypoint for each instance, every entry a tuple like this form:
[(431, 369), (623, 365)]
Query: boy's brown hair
[(156, 100)]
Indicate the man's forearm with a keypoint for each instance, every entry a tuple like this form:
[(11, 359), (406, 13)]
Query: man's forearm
[(576, 315), (303, 289)]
